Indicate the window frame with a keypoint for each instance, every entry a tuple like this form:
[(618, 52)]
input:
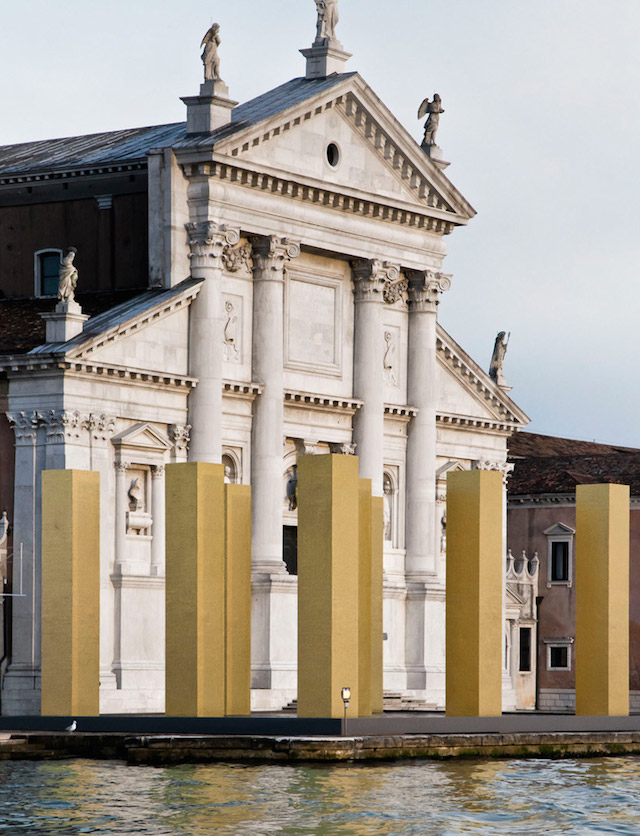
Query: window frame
[(565, 644), (560, 533), (37, 271)]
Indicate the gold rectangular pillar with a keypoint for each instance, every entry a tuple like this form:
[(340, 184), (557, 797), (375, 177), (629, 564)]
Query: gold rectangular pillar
[(602, 600), (377, 546), (70, 593), (474, 593), (328, 561), (195, 590), (238, 600), (365, 597)]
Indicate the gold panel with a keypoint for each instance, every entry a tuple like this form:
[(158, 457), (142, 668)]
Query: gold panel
[(602, 600), (328, 558), (70, 593), (474, 593), (377, 545), (365, 598), (195, 590), (238, 599)]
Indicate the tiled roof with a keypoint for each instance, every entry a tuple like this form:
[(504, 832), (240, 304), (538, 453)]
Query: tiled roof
[(133, 144), (561, 474), (22, 329), (533, 444)]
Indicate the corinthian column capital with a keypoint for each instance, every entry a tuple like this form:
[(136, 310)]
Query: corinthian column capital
[(207, 240), (371, 277), (271, 254), (425, 287)]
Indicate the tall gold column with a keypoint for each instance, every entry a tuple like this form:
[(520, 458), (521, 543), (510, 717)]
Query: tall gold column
[(474, 594), (602, 600), (195, 590), (238, 600), (328, 566), (377, 546), (70, 593), (365, 599)]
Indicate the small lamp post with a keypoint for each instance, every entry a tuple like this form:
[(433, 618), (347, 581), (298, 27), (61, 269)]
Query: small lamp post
[(345, 693)]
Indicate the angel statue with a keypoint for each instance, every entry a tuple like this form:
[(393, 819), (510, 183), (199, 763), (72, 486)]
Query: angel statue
[(497, 358), (433, 109), (67, 277), (327, 19), (210, 57)]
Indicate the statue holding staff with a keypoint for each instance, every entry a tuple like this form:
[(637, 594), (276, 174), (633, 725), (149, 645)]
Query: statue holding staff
[(67, 277), (433, 109), (497, 358), (327, 19), (210, 57)]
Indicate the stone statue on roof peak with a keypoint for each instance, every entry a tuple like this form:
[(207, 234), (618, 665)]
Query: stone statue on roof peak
[(210, 57), (327, 20), (67, 277)]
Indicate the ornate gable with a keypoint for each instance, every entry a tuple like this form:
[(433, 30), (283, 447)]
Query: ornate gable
[(381, 171)]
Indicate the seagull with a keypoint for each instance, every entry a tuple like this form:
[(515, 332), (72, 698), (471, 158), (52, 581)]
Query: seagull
[(72, 727)]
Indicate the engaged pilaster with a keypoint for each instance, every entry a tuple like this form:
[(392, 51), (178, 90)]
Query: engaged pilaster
[(368, 366), (270, 256), (207, 241), (425, 288)]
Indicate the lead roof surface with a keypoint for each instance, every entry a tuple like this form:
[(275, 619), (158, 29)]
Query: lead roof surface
[(133, 144)]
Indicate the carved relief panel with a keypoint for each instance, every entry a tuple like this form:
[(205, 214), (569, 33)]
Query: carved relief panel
[(233, 328)]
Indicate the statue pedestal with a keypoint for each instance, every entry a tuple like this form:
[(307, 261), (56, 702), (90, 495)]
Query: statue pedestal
[(435, 153), (325, 58), (210, 109), (65, 322)]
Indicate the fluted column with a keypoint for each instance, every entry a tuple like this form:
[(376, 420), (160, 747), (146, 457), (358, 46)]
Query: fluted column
[(424, 290), (368, 367), (270, 255), (207, 241)]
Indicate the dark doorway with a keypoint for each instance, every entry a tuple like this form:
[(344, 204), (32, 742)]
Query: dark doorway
[(290, 548)]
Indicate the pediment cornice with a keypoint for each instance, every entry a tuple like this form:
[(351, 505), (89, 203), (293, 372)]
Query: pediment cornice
[(432, 201)]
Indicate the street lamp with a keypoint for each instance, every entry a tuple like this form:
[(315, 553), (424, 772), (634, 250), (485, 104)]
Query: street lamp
[(345, 693)]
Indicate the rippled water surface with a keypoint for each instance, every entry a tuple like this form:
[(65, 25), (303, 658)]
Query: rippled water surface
[(419, 797)]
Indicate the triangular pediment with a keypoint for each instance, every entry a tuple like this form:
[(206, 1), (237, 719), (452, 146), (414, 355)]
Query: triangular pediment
[(559, 530), (377, 157), (467, 394), (142, 437)]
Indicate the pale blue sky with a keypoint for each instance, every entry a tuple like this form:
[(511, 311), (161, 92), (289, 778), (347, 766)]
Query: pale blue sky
[(541, 127)]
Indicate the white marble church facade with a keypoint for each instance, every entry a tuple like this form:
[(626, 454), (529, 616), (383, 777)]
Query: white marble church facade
[(296, 248)]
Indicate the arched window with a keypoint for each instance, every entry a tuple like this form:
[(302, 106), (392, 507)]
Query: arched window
[(46, 272)]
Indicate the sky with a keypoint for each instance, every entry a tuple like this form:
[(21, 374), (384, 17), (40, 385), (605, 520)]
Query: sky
[(541, 127)]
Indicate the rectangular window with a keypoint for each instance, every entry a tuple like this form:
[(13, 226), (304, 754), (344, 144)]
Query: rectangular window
[(560, 561), (559, 658), (525, 649), (49, 272)]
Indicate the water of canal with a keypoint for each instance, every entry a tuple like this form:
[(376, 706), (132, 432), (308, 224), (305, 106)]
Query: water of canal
[(418, 797)]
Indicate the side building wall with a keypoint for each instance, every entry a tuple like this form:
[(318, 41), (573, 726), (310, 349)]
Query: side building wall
[(527, 523)]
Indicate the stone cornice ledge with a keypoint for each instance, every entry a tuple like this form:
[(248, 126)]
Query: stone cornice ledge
[(18, 364), (293, 397), (464, 422), (247, 391)]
